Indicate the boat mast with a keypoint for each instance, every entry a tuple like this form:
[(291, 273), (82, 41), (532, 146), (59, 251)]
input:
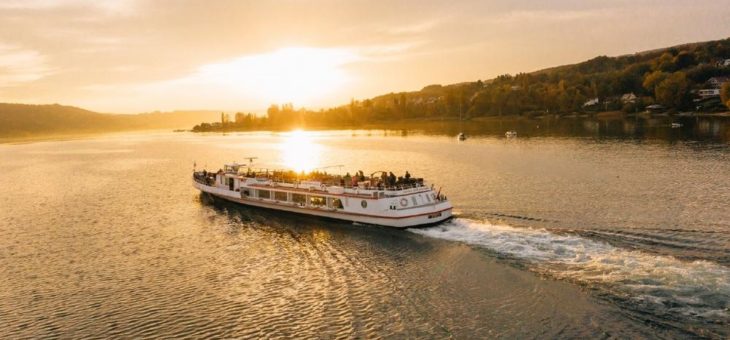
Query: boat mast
[(460, 129)]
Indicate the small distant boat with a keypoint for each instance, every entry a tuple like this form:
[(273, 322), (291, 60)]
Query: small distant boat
[(510, 134), (461, 135), (676, 125), (378, 200)]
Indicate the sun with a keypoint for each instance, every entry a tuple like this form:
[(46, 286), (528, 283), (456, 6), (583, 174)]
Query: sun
[(299, 151), (300, 75)]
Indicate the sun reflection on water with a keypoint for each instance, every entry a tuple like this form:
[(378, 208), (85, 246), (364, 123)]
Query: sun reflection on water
[(299, 151)]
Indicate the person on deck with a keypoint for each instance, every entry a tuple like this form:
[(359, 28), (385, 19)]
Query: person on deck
[(348, 178), (391, 179)]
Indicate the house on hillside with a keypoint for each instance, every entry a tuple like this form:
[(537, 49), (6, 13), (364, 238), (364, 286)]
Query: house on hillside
[(656, 108), (433, 100), (723, 63), (628, 98), (707, 93), (716, 82), (591, 102)]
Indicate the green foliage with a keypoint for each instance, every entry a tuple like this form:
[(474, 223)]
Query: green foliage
[(671, 91), (725, 94), (664, 63), (684, 60), (653, 79), (664, 76)]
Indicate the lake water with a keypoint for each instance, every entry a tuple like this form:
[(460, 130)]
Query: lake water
[(600, 231)]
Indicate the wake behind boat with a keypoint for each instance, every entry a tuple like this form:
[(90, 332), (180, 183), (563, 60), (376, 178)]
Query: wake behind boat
[(386, 200)]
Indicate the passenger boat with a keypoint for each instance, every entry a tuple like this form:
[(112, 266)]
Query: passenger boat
[(385, 200)]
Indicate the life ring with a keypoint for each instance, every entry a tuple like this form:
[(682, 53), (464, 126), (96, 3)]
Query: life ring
[(323, 187), (403, 202)]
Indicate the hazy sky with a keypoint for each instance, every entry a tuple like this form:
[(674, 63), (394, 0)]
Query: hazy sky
[(133, 56)]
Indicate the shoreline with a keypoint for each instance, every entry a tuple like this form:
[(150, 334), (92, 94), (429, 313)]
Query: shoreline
[(448, 123), (413, 122)]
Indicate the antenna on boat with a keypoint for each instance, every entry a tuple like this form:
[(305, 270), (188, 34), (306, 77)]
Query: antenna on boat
[(250, 160), (461, 135)]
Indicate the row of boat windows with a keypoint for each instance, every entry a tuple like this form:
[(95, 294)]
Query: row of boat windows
[(299, 199), (322, 201)]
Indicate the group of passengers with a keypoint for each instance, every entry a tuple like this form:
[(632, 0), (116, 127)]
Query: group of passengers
[(386, 179), (205, 177)]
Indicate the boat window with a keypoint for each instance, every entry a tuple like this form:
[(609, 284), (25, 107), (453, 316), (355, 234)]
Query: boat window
[(317, 201), (337, 203), (413, 198), (245, 192), (265, 194), (428, 198), (364, 204), (299, 199), (280, 196)]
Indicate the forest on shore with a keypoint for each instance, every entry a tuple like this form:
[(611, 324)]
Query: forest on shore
[(669, 79)]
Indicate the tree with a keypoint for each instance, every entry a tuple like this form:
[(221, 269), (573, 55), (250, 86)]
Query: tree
[(653, 79), (240, 118), (664, 63), (672, 90), (275, 114), (725, 94), (683, 60)]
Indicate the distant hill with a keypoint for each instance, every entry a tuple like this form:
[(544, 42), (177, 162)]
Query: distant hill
[(20, 120), (664, 79), (671, 77)]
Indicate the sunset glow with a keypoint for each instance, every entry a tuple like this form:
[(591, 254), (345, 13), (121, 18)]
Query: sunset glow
[(300, 75), (299, 151), (362, 169), (133, 56)]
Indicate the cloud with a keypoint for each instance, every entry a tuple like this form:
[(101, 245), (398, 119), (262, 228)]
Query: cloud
[(392, 51), (548, 15), (19, 65), (109, 6), (138, 55), (416, 28), (302, 75)]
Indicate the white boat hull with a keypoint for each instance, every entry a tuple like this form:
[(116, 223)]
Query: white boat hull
[(375, 215)]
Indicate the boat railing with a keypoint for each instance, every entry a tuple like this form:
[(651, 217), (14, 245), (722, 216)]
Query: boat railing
[(331, 183), (204, 178), (278, 177)]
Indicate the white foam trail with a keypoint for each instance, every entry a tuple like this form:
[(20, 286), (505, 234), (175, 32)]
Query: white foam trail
[(699, 288)]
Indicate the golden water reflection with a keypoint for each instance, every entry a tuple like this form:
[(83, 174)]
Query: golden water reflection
[(300, 151)]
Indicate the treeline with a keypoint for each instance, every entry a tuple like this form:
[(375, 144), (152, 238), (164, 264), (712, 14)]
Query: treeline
[(670, 77)]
